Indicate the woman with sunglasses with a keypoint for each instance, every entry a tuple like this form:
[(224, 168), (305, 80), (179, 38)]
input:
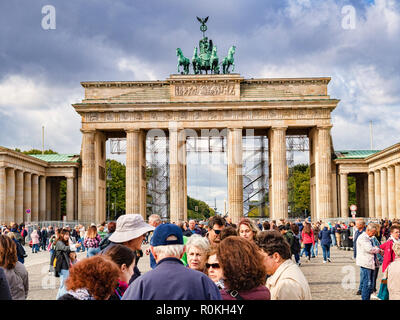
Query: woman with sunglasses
[(243, 270), (213, 269)]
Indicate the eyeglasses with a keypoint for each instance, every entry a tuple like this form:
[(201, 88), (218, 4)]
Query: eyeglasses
[(217, 231), (213, 265)]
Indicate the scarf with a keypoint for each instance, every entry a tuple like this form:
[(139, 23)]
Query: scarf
[(81, 294), (121, 288)]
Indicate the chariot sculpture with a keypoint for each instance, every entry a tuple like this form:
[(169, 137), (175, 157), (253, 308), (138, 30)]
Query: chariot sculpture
[(205, 57)]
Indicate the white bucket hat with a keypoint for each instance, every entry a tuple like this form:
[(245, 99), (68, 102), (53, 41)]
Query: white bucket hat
[(130, 226)]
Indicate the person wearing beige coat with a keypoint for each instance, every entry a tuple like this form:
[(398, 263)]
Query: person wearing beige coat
[(393, 279), (286, 281)]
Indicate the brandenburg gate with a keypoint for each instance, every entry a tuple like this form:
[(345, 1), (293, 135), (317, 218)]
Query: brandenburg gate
[(184, 104)]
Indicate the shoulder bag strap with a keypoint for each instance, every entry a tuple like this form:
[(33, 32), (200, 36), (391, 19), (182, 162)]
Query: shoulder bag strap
[(234, 294)]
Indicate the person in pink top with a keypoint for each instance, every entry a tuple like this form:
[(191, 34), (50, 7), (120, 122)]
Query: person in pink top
[(387, 247), (35, 241), (307, 237)]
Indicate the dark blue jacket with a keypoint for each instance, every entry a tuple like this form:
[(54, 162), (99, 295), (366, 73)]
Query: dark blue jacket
[(356, 235), (171, 280), (325, 237)]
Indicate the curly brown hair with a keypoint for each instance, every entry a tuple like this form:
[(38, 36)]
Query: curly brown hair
[(8, 252), (242, 263), (98, 275)]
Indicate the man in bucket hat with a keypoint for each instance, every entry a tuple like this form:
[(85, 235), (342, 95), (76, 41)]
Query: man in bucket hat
[(171, 280), (130, 231)]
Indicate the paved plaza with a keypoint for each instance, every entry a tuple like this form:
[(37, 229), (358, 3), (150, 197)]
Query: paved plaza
[(331, 281)]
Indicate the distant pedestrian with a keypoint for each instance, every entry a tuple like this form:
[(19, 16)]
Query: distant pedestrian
[(326, 241), (35, 241), (307, 237), (92, 242), (154, 221), (247, 229)]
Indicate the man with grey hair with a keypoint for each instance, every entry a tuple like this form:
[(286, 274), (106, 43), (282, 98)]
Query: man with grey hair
[(154, 221), (367, 260), (171, 280), (192, 229)]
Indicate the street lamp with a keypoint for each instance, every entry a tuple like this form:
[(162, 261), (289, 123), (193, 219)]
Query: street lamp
[(109, 178)]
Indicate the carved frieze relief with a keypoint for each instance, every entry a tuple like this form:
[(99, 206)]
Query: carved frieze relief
[(212, 115)]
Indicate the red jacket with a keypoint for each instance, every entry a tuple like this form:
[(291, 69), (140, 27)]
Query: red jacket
[(388, 254), (308, 238)]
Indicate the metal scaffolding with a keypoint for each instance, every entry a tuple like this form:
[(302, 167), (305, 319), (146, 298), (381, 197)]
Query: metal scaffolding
[(255, 167)]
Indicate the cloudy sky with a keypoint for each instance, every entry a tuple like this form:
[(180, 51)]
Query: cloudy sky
[(356, 43)]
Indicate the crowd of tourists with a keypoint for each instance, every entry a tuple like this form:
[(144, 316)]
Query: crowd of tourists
[(216, 259)]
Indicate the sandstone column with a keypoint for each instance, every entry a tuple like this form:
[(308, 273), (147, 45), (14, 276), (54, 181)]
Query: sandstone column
[(177, 163), (88, 177), (19, 196), (48, 199), (391, 193), (344, 196), (3, 196), (10, 201), (35, 198), (323, 174), (371, 195), (27, 196), (70, 199), (235, 174), (365, 194), (42, 198), (384, 193), (278, 192), (378, 204), (397, 189), (133, 172)]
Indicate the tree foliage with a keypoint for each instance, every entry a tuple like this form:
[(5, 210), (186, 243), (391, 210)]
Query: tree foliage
[(36, 151), (203, 209)]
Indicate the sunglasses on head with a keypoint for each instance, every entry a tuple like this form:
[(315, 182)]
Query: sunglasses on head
[(213, 265)]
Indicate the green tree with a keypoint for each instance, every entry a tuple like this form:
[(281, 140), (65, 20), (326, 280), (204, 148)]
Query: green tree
[(203, 210), (351, 181), (117, 186), (36, 151), (299, 189)]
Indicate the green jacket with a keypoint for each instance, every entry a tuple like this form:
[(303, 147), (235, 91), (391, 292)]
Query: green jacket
[(184, 258)]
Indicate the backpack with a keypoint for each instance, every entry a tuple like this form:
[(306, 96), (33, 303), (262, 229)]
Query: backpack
[(296, 247)]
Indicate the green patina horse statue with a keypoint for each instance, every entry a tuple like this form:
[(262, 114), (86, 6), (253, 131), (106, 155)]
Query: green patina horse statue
[(214, 61), (182, 61), (196, 61), (229, 61)]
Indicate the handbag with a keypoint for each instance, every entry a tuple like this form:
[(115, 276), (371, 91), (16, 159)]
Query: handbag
[(383, 289)]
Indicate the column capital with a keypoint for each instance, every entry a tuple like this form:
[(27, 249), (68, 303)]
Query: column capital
[(235, 128), (130, 130), (324, 127), (344, 173), (282, 128), (88, 131), (383, 169)]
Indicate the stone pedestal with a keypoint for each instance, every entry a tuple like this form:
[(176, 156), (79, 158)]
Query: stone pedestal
[(384, 193), (235, 174), (344, 196), (88, 177), (19, 196), (177, 170), (70, 198), (278, 195), (10, 201), (391, 193), (378, 205)]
